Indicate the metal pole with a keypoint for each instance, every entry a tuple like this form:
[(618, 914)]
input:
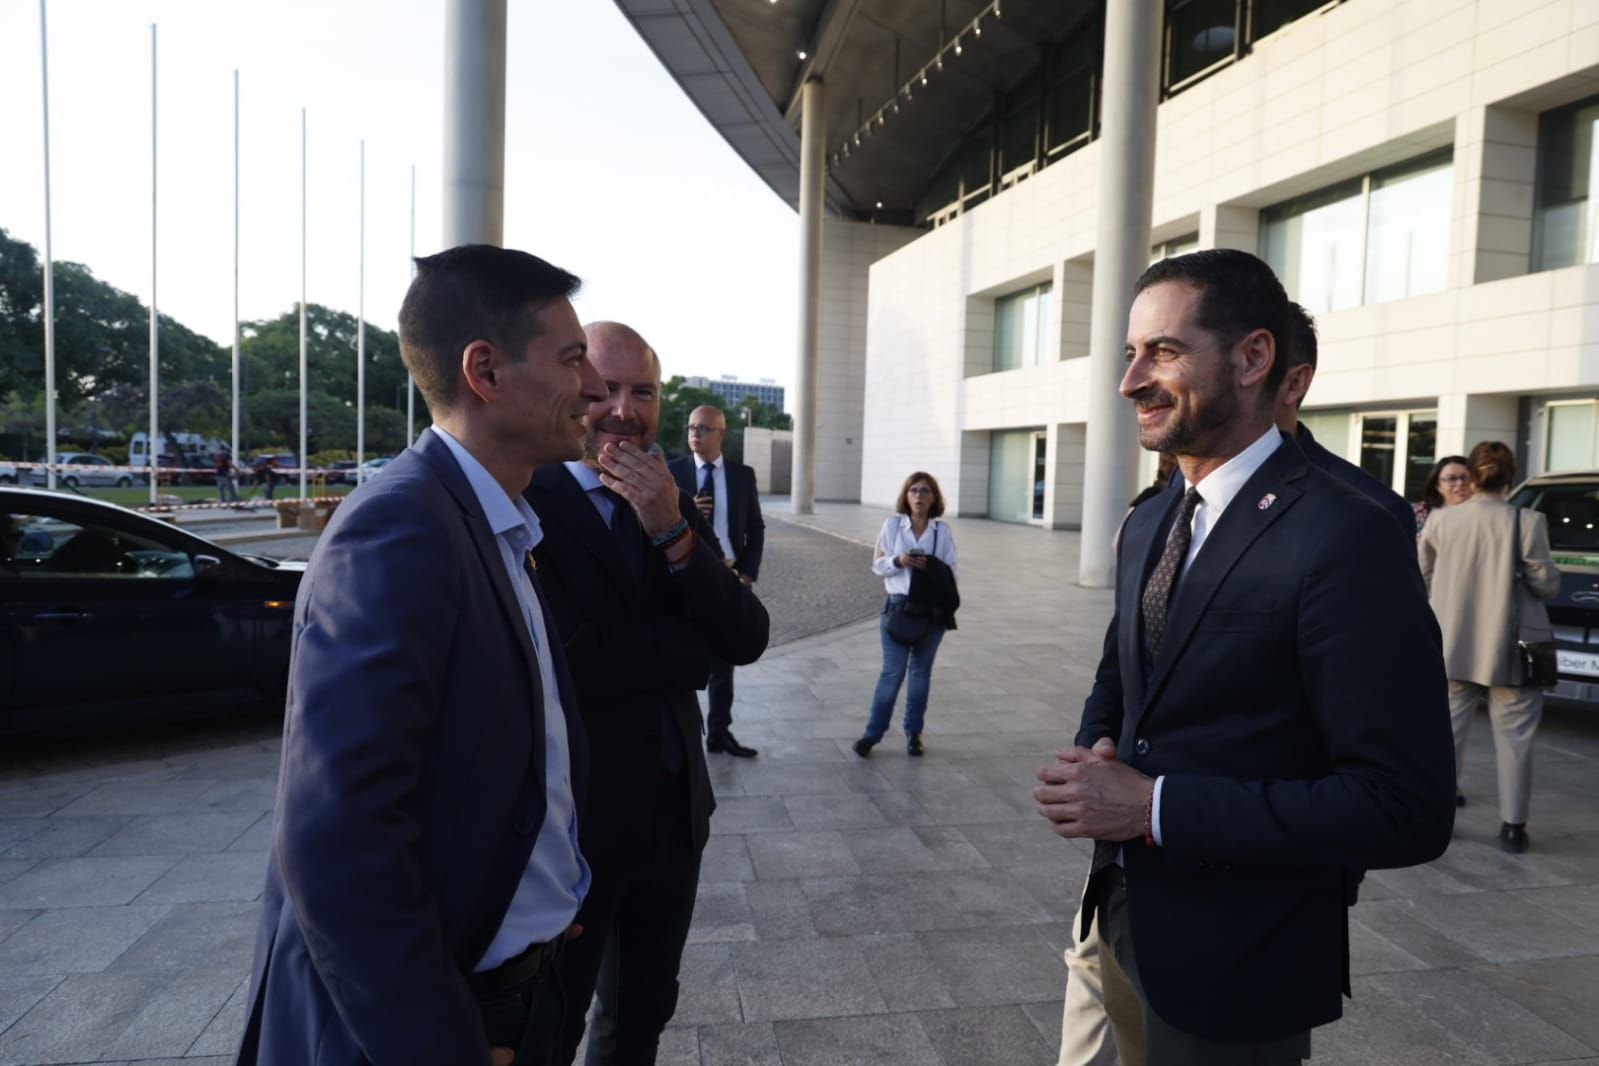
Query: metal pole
[(410, 382), (303, 457), (234, 452), (360, 336), (49, 279), (813, 172), (474, 122), (1126, 188), (154, 450)]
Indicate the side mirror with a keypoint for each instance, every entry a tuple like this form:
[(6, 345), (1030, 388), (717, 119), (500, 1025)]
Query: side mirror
[(204, 564)]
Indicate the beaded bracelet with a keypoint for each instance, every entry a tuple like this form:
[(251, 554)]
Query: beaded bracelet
[(671, 534)]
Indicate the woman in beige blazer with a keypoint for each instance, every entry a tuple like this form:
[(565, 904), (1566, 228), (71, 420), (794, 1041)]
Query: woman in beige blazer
[(1467, 558)]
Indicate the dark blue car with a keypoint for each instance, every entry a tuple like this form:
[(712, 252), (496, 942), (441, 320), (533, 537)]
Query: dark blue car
[(1570, 503)]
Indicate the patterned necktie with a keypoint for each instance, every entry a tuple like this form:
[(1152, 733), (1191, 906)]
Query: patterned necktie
[(1158, 590)]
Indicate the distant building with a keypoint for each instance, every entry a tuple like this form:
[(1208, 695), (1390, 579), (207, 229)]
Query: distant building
[(733, 390)]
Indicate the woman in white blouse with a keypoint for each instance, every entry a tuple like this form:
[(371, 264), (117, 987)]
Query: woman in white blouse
[(907, 539)]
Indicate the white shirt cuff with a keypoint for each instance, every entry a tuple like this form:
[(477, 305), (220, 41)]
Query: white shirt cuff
[(1154, 813)]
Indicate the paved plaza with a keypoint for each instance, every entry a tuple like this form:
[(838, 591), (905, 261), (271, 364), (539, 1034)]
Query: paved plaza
[(886, 911)]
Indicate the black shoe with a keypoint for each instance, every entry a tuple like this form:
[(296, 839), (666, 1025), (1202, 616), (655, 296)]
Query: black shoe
[(1513, 838), (913, 745), (863, 747), (1460, 798), (726, 744)]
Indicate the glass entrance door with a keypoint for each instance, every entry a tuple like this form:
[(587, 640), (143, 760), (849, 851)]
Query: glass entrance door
[(1040, 465)]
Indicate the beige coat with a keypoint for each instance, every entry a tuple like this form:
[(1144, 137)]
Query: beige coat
[(1466, 560)]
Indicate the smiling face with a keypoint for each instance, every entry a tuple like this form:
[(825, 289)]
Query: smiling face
[(630, 408), (1181, 378), (545, 394), (1454, 484)]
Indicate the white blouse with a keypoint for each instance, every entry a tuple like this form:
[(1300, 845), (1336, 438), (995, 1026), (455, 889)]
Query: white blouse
[(896, 538)]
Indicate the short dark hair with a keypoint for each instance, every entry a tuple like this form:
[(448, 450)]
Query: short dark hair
[(903, 504), (1239, 294), (1492, 465), (470, 293), (1429, 491), (1301, 337)]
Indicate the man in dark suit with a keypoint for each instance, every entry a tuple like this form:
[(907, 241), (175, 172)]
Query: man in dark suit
[(1302, 348), (724, 491), (643, 602), (1270, 713), (425, 867)]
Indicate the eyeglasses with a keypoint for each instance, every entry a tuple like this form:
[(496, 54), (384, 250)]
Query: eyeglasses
[(1454, 479), (919, 490), (700, 430)]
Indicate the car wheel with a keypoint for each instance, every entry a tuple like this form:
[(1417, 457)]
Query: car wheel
[(124, 481), (7, 479), (70, 482)]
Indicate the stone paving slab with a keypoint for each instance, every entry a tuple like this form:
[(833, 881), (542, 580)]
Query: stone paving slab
[(878, 911)]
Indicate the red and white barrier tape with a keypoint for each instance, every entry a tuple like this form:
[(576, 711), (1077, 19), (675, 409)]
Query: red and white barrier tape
[(255, 504), (106, 468)]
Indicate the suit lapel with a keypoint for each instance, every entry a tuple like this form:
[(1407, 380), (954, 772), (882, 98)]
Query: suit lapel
[(1240, 526), (569, 507)]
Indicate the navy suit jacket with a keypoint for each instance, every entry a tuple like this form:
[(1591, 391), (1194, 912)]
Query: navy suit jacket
[(412, 788), (634, 647), (745, 526), (1298, 712), (1357, 479)]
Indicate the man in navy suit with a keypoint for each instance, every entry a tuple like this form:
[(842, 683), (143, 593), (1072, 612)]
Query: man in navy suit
[(725, 493), (643, 604), (425, 868), (1270, 712)]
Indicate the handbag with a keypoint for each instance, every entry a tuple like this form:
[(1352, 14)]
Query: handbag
[(1540, 667), (907, 621)]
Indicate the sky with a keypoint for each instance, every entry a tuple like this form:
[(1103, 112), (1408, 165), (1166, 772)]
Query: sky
[(611, 172)]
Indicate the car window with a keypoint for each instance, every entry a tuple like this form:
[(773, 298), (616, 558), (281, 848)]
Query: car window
[(34, 547), (1572, 511)]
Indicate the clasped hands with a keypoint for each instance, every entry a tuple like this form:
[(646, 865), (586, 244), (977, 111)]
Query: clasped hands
[(644, 481), (1090, 793)]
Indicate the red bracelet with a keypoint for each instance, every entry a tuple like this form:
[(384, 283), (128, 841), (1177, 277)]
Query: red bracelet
[(1149, 820)]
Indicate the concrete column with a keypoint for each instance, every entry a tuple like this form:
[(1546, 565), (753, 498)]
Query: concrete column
[(474, 122), (1126, 189), (813, 172), (1465, 420), (1496, 157), (1227, 226), (1063, 478)]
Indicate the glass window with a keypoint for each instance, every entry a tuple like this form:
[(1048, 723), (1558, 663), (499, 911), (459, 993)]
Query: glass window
[(1010, 476), (1571, 436), (1573, 515), (1021, 328), (1377, 436), (1314, 245), (1421, 448), (1330, 428), (1199, 34), (976, 155), (1040, 468), (1407, 229), (1176, 246), (1018, 138), (1564, 233), (1269, 16), (39, 546)]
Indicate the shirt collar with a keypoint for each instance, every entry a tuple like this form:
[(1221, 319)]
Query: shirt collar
[(504, 514), (701, 464), (585, 475), (1219, 487)]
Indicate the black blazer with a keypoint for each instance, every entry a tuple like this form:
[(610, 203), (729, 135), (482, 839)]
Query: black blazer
[(631, 649), (1356, 478), (745, 526), (413, 784), (1298, 712)]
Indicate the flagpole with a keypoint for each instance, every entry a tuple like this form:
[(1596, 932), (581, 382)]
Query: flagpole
[(233, 454), (360, 336), (303, 457), (154, 449), (410, 382), (49, 278)]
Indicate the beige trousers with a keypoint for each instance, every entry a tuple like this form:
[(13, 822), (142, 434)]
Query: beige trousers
[(1100, 1001), (1514, 714)]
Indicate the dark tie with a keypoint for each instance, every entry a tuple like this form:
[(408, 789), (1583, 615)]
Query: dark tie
[(1158, 590), (629, 534), (708, 486)]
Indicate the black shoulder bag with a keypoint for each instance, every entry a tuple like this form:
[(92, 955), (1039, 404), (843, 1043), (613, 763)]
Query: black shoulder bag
[(1539, 666)]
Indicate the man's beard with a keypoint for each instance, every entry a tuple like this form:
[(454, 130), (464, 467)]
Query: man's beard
[(1191, 433), (620, 427)]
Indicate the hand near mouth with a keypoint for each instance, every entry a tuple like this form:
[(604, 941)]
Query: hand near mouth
[(644, 481)]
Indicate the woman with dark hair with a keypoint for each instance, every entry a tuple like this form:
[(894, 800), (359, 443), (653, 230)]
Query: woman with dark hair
[(1488, 570), (909, 540), (1448, 483)]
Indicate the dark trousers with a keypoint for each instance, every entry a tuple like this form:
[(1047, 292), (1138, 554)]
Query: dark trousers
[(635, 922), (1166, 1046), (523, 1006), (719, 698)]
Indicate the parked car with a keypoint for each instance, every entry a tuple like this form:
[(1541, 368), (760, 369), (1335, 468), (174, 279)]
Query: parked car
[(91, 477), (372, 466), (1570, 503), (341, 472), (108, 613), (10, 475)]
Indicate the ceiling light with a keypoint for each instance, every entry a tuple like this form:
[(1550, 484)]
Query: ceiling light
[(879, 205), (802, 55), (957, 46), (977, 28), (941, 61), (924, 75)]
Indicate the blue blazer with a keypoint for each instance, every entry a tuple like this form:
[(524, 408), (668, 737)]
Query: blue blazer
[(413, 780), (1298, 711), (745, 526)]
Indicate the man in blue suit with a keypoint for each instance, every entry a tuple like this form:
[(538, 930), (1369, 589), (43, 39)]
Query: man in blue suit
[(725, 493), (425, 867), (1269, 714)]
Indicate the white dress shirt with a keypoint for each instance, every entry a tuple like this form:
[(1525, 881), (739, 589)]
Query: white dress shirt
[(1216, 490), (720, 511), (557, 877), (896, 538)]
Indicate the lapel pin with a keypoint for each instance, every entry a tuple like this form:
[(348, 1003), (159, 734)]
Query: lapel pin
[(1266, 501)]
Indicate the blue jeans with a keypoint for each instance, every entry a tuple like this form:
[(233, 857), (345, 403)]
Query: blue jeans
[(896, 658)]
